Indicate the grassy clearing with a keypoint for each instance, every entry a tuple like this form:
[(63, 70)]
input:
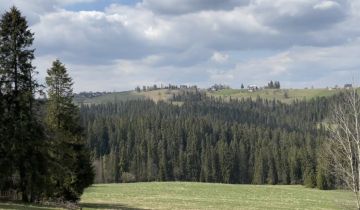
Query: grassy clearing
[(156, 95), (284, 95), (159, 95), (183, 195), (113, 97), (186, 195)]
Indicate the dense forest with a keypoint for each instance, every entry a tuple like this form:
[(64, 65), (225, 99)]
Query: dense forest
[(210, 140)]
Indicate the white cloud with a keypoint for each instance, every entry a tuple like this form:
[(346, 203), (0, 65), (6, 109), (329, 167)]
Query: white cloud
[(197, 41), (33, 9), (325, 5), (299, 67), (219, 57), (127, 32)]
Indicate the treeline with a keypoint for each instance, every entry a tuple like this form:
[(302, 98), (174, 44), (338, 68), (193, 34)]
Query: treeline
[(273, 85), (90, 94), (43, 155), (217, 87), (167, 87), (209, 140), (187, 95)]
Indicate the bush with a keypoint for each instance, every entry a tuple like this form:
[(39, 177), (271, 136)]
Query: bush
[(127, 177), (310, 179)]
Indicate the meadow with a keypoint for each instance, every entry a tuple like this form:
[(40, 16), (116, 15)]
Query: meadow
[(187, 195), (284, 95)]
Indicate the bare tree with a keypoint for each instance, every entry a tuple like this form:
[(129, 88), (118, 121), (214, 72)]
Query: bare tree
[(344, 144)]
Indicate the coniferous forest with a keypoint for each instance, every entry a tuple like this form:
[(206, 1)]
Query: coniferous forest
[(210, 140)]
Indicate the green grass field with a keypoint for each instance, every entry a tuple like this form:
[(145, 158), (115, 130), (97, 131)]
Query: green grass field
[(111, 98), (155, 95), (284, 95), (185, 195)]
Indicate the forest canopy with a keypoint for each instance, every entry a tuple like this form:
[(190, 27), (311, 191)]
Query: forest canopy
[(210, 140)]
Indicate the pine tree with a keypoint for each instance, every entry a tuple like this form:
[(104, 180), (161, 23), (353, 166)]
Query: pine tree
[(277, 85), (75, 172), (22, 144), (271, 85)]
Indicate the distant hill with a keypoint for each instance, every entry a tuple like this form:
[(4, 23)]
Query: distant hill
[(108, 98), (155, 95), (284, 95)]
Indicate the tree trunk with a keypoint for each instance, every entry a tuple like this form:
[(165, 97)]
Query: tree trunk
[(23, 184)]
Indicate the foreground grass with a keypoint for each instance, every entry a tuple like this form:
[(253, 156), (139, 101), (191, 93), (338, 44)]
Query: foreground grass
[(184, 195), (21, 206)]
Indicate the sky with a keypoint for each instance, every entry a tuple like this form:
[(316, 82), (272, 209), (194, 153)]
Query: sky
[(115, 45)]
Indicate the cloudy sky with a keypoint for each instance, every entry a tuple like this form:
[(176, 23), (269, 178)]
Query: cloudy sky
[(118, 44)]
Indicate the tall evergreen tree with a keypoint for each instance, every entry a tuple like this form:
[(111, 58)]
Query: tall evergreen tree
[(70, 151), (22, 137)]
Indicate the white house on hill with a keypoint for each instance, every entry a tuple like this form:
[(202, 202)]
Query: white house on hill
[(252, 88)]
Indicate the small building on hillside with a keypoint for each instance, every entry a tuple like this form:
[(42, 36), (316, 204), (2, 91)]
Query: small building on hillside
[(253, 88)]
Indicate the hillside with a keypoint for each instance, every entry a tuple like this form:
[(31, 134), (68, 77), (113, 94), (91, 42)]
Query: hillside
[(284, 95), (191, 195), (207, 140), (155, 95), (108, 98)]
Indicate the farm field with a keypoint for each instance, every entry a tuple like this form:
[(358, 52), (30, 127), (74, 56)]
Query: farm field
[(187, 195)]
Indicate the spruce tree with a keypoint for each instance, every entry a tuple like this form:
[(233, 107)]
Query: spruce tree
[(75, 172), (22, 146)]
